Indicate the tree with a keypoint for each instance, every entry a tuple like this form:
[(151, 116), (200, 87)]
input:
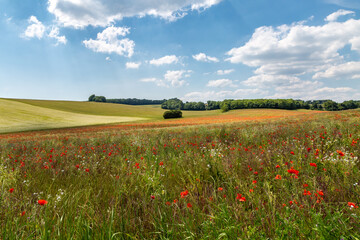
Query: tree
[(331, 105), (100, 99), (172, 114), (92, 98)]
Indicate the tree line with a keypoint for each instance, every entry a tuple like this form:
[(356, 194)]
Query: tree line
[(129, 101), (230, 104)]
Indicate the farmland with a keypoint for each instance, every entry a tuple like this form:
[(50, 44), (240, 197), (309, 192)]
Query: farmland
[(246, 174)]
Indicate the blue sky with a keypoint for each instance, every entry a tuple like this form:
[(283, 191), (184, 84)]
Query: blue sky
[(196, 50)]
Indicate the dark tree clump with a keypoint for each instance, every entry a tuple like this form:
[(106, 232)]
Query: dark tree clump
[(172, 114)]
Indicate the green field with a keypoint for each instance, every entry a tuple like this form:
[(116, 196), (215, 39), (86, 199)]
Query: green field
[(17, 116)]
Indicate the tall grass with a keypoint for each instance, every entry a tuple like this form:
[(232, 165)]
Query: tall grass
[(210, 182)]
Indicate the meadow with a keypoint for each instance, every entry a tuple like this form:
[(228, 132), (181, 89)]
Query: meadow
[(261, 174)]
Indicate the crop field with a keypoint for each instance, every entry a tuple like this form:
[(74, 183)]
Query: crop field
[(277, 178)]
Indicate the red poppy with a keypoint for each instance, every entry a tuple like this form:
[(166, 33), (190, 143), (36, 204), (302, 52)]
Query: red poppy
[(292, 153), (161, 163), (23, 213), (313, 164), (220, 189), (320, 193), (352, 205), (278, 177), (42, 202), (11, 190), (189, 205), (340, 153), (240, 198), (87, 170), (184, 194), (152, 197), (168, 203), (292, 170), (277, 166), (305, 185)]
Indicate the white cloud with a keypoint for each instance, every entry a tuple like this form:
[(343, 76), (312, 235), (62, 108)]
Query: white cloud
[(202, 57), (54, 33), (338, 94), (171, 79), (349, 70), (221, 95), (268, 81), (164, 60), (108, 42), (133, 65), (108, 59), (35, 29), (81, 13), (355, 44), (221, 83), (334, 16), (297, 48), (224, 72)]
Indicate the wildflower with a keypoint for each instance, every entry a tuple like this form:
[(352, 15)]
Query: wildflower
[(240, 198), (320, 193), (313, 164), (292, 170), (305, 185), (277, 166), (161, 163), (184, 194), (352, 205), (278, 177), (168, 203), (11, 190), (220, 189), (23, 213), (251, 190), (152, 197), (87, 170), (292, 153), (309, 149), (189, 205), (340, 153), (42, 202), (254, 182)]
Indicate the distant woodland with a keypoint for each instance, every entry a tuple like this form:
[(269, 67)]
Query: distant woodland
[(230, 104)]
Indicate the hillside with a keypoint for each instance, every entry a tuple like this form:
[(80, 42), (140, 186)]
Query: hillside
[(18, 116)]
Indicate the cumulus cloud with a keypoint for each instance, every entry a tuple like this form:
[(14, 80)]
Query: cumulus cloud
[(349, 70), (108, 41), (202, 57), (224, 72), (164, 60), (133, 65), (171, 79), (297, 48), (81, 13), (54, 33), (221, 83), (221, 95), (334, 16), (35, 29)]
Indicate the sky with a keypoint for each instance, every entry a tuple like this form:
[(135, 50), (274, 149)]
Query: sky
[(195, 50)]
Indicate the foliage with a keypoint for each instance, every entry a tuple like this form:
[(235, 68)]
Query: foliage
[(135, 101), (172, 114), (173, 104)]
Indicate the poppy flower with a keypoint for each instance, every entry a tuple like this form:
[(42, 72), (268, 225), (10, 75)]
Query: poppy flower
[(313, 164), (352, 205), (277, 166), (220, 189), (11, 190), (189, 205), (320, 193), (292, 170), (184, 194), (278, 177), (340, 153), (87, 170), (292, 153), (161, 163), (23, 213), (152, 197), (42, 202), (240, 198)]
